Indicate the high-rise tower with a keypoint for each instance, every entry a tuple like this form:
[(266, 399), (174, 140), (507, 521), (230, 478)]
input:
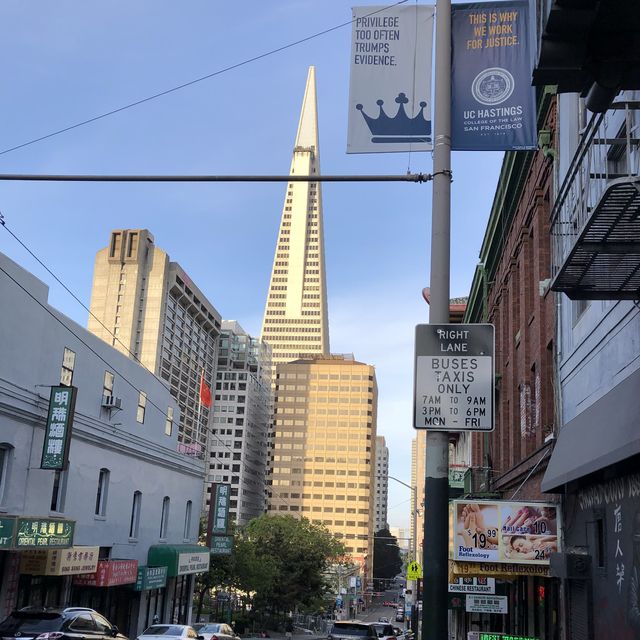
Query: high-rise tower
[(295, 320)]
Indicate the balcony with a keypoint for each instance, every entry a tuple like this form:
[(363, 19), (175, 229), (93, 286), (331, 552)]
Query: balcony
[(590, 47), (595, 223)]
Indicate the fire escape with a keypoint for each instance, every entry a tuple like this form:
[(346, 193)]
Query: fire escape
[(595, 222)]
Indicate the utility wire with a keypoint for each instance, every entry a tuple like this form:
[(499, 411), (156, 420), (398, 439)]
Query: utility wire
[(191, 82)]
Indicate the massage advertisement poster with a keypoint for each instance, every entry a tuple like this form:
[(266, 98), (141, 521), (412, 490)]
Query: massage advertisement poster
[(514, 532)]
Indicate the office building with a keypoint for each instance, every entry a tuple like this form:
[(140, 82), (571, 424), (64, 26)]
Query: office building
[(240, 422), (147, 307), (295, 320), (323, 448), (381, 484)]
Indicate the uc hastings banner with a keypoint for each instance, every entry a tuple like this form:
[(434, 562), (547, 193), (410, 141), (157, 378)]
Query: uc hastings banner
[(492, 100), (390, 89)]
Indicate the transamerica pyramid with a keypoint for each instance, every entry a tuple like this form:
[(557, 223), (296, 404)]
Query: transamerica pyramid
[(295, 320)]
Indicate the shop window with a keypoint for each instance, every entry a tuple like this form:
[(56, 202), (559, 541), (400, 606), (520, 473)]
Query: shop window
[(101, 494)]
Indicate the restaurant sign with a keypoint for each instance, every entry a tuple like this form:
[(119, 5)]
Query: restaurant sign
[(60, 562), (487, 604), (151, 578), (7, 532), (221, 545), (38, 533), (193, 563), (219, 510), (488, 635), (110, 573), (57, 435)]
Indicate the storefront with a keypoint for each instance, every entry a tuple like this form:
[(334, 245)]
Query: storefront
[(108, 590), (183, 562)]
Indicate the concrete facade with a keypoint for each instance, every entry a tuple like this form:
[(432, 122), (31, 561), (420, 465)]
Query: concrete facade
[(137, 456), (382, 484), (323, 448), (241, 420), (148, 308)]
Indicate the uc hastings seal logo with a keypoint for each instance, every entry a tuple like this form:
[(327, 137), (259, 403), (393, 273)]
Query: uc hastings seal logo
[(492, 86)]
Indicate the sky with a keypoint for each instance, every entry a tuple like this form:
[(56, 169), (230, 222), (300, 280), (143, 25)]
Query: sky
[(66, 62)]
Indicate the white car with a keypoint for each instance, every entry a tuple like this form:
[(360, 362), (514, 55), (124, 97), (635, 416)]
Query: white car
[(169, 632), (215, 631)]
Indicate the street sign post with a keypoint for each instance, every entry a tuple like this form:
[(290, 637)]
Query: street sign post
[(454, 377)]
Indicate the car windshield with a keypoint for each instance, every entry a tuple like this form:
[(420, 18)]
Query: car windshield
[(27, 623), (351, 630), (209, 628), (163, 630)]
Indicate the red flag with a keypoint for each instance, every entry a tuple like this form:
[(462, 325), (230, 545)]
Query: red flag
[(205, 392)]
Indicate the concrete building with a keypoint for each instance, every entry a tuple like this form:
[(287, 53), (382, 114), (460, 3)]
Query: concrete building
[(295, 320), (123, 494), (149, 309), (323, 449), (381, 484), (240, 422)]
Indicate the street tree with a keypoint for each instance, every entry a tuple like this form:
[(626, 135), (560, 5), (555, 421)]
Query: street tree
[(387, 562)]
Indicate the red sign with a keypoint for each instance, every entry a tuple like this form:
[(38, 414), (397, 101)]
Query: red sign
[(110, 573)]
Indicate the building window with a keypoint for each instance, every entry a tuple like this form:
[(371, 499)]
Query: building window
[(68, 363), (164, 520), (101, 494), (134, 526), (107, 385), (168, 425), (58, 491), (142, 404), (187, 520), (5, 459)]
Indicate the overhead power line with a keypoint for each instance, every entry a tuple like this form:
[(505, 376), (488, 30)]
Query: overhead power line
[(260, 56)]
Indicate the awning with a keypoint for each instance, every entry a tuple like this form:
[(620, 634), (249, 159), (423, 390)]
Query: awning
[(180, 559), (603, 434)]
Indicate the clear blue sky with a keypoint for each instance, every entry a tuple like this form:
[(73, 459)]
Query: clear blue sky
[(67, 61)]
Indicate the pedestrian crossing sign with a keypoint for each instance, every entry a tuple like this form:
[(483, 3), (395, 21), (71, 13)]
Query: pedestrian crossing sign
[(414, 571)]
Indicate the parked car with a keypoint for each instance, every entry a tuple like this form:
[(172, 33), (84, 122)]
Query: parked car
[(383, 619), (70, 623), (215, 631), (384, 631), (169, 632), (351, 630)]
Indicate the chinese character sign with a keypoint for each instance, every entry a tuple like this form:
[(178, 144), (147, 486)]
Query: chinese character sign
[(58, 428), (219, 509), (390, 89), (492, 100)]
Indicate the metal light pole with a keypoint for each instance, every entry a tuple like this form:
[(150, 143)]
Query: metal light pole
[(414, 537), (436, 520)]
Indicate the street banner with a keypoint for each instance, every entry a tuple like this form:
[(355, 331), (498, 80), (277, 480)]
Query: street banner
[(390, 88), (492, 100), (509, 532)]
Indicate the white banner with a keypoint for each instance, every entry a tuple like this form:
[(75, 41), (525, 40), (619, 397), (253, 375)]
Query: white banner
[(487, 604), (390, 89)]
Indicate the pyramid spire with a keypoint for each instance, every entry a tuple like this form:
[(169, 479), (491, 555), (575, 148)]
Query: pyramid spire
[(295, 320)]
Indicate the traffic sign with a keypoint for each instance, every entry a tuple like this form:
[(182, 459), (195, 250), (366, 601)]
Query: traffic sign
[(454, 377), (414, 571)]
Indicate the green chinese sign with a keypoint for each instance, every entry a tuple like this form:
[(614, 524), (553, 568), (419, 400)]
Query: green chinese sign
[(456, 477), (7, 532), (43, 533), (219, 509), (151, 578), (57, 434), (221, 545), (485, 635)]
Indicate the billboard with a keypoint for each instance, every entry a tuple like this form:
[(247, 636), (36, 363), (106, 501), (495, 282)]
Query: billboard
[(492, 100), (390, 87), (505, 532)]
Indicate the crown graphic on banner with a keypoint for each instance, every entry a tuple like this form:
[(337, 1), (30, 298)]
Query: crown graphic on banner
[(400, 128)]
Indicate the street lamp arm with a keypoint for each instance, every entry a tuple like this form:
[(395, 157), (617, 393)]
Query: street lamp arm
[(404, 483)]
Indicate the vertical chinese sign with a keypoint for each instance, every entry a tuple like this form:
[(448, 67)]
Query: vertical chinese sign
[(217, 537), (57, 435), (492, 100)]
